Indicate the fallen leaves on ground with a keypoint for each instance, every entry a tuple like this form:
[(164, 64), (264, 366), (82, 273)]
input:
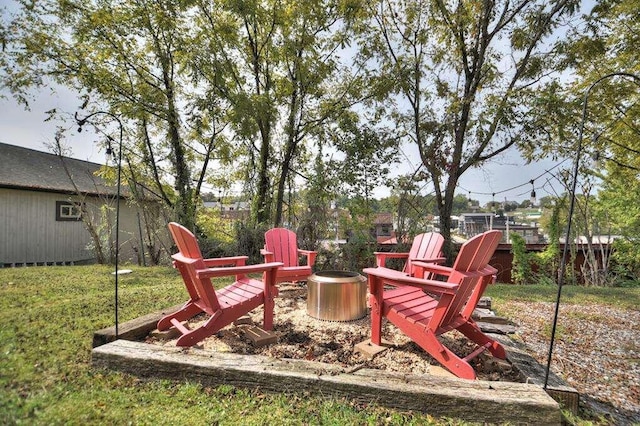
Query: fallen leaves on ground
[(596, 350)]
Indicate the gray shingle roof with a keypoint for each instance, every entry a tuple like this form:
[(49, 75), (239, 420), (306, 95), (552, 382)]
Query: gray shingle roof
[(26, 168)]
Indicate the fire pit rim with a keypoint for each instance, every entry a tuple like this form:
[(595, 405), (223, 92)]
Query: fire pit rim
[(336, 276)]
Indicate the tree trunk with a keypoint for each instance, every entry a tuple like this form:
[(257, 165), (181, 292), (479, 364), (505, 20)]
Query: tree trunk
[(290, 149), (184, 207), (263, 199), (445, 207)]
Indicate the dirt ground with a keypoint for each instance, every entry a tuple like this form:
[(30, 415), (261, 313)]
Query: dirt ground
[(597, 351), (301, 336)]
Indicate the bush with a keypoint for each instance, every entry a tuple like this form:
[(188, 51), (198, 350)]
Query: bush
[(329, 258), (213, 247), (521, 266), (249, 240), (626, 260), (357, 254)]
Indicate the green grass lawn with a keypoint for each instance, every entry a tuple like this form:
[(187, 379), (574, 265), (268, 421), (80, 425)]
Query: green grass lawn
[(48, 316), (623, 298)]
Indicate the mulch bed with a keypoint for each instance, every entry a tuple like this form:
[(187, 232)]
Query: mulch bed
[(301, 336), (597, 350)]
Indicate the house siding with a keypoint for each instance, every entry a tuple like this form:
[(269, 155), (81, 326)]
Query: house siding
[(30, 233), (32, 182)]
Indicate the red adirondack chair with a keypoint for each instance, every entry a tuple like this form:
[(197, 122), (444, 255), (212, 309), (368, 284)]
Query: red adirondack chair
[(423, 309), (225, 305), (281, 245), (425, 247)]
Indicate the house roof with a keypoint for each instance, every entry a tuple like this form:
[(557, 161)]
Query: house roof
[(24, 168), (387, 240), (383, 219)]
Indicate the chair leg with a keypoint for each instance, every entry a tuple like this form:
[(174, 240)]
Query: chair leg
[(267, 321), (269, 279), (188, 311), (449, 360), (207, 329), (473, 332), (376, 321), (428, 341), (376, 290)]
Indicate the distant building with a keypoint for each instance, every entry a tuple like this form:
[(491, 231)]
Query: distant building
[(531, 216), (383, 229), (236, 210), (435, 222), (470, 224)]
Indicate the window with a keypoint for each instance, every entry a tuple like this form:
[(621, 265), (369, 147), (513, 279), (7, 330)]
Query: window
[(67, 211)]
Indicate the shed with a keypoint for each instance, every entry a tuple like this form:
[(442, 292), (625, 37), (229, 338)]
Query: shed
[(46, 203)]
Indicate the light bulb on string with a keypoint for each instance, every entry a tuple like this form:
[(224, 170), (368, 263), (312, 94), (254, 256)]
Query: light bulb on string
[(533, 194)]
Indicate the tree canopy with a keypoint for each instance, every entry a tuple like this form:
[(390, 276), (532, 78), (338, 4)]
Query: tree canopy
[(460, 78), (253, 94), (222, 93)]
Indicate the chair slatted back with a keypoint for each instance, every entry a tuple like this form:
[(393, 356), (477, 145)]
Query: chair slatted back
[(424, 246), (471, 270), (283, 243), (188, 260), (476, 252)]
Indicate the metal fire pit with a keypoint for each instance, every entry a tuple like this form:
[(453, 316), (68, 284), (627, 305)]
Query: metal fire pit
[(336, 295)]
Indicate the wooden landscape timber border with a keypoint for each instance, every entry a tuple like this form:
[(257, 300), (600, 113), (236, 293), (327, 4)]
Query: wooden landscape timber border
[(475, 401)]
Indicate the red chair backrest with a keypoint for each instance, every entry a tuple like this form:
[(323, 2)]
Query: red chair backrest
[(185, 241), (473, 259), (475, 253), (424, 246), (187, 261), (283, 243)]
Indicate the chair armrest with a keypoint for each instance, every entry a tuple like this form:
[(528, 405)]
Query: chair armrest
[(224, 261), (391, 272), (237, 270), (179, 258), (310, 255), (419, 266), (434, 268), (269, 256), (391, 254), (435, 260), (490, 270), (382, 256), (391, 277)]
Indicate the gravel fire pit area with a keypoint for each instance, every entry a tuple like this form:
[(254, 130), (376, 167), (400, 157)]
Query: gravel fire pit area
[(319, 357)]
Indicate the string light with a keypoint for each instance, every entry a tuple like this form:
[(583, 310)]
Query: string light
[(597, 157), (533, 194), (529, 182)]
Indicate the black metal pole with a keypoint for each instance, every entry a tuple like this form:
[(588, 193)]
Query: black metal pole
[(576, 166), (81, 122), (118, 223)]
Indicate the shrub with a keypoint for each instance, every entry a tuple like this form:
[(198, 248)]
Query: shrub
[(249, 240), (521, 266), (626, 260)]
